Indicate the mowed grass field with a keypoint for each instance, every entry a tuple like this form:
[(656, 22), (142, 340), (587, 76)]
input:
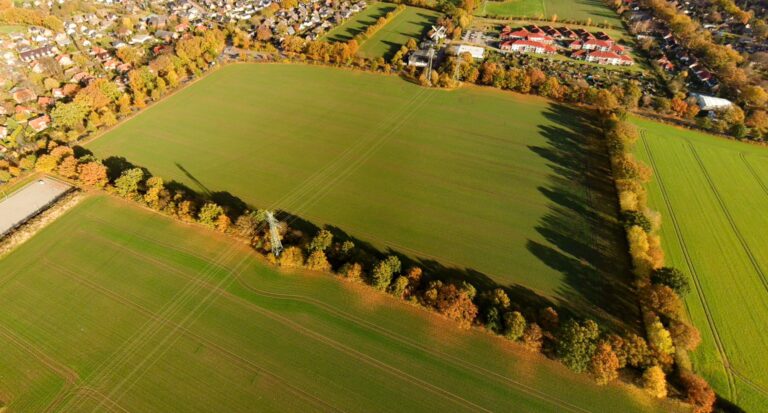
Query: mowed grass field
[(575, 10), (712, 193), (115, 308), (359, 22), (413, 22), (481, 185)]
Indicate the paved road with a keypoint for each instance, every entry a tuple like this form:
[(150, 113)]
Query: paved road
[(28, 201)]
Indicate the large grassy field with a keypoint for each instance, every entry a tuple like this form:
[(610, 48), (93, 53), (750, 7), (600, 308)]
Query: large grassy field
[(413, 22), (115, 308), (482, 185), (359, 22), (713, 194), (565, 10)]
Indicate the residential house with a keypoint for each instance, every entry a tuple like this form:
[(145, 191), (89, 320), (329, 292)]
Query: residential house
[(24, 95), (40, 123), (38, 53)]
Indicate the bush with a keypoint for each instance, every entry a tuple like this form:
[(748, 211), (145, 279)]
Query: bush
[(671, 277)]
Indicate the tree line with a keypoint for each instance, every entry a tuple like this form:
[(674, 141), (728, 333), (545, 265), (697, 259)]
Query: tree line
[(659, 287), (380, 23)]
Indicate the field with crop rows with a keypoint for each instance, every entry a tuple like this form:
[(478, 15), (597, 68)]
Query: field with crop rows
[(413, 22), (713, 194), (476, 184), (357, 23), (584, 11), (115, 308)]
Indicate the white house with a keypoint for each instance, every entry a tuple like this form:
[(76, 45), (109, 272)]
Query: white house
[(476, 52), (712, 103)]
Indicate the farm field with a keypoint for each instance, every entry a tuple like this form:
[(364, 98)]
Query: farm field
[(565, 10), (711, 193), (358, 23), (10, 28), (476, 184), (113, 307), (413, 22)]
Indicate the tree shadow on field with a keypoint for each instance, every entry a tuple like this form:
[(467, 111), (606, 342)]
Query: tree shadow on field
[(584, 240)]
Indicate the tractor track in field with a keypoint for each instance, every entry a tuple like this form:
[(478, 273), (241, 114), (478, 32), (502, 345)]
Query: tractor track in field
[(296, 327), (69, 375), (694, 274), (301, 329), (146, 332), (731, 221), (754, 173), (349, 317), (253, 367)]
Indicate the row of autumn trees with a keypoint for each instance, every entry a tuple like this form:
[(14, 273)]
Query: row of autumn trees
[(101, 102), (582, 345), (659, 287)]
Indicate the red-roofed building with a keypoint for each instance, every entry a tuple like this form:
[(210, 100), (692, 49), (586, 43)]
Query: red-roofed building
[(535, 35), (527, 46), (41, 123)]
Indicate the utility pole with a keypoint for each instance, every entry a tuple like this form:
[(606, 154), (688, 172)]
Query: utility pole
[(274, 234)]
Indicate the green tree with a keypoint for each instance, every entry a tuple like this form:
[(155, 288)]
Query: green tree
[(127, 185), (398, 288), (384, 270), (577, 343), (672, 277), (209, 214), (321, 241), (515, 324), (70, 115)]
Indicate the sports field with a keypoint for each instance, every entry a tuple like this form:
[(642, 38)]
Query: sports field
[(115, 308), (476, 183), (594, 11), (358, 23), (413, 22), (712, 193)]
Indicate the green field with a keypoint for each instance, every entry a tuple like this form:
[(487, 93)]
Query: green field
[(5, 28), (413, 22), (475, 183), (565, 10), (357, 23), (115, 308), (712, 194)]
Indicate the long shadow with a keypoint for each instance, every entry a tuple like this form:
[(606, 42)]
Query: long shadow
[(525, 300), (197, 182), (584, 240)]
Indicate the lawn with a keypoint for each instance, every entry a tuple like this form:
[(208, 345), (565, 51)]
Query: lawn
[(113, 307), (6, 28), (476, 183), (712, 193), (594, 11), (359, 22), (413, 22)]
